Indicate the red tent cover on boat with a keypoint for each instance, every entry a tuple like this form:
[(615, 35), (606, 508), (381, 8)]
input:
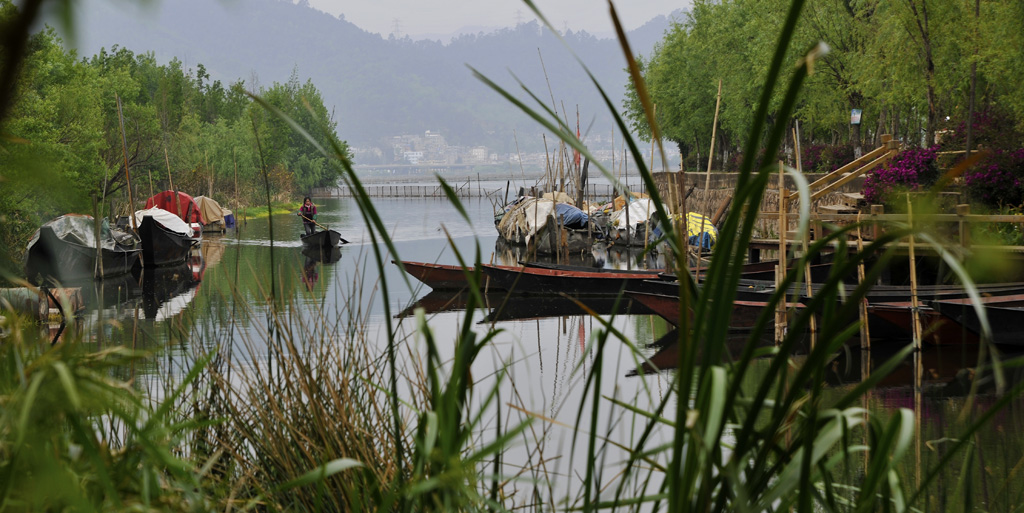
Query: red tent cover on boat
[(166, 201)]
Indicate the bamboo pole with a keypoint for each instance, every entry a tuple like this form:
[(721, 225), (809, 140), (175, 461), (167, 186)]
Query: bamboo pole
[(780, 273), (127, 174), (865, 332), (913, 281), (711, 148)]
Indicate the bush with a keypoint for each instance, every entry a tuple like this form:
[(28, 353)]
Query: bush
[(911, 170), (825, 158), (997, 179)]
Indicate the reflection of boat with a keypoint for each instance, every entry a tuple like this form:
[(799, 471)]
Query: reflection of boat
[(501, 306), (65, 249), (166, 239), (110, 292), (1004, 315), (166, 291), (323, 255), (321, 239)]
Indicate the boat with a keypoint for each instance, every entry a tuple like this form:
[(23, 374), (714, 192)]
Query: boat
[(654, 273), (890, 311), (895, 320), (1004, 315), (537, 280), (322, 239), (216, 219), (179, 204), (761, 290), (744, 313), (442, 276), (65, 249), (547, 227), (166, 238)]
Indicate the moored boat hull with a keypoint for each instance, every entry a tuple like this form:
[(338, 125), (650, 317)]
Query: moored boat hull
[(160, 246), (51, 258)]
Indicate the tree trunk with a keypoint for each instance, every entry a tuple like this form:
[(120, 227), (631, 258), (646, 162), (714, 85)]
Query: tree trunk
[(921, 17)]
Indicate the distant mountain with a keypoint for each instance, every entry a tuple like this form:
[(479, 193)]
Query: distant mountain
[(377, 87)]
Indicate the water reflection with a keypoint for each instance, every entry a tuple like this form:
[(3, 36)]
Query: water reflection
[(501, 306)]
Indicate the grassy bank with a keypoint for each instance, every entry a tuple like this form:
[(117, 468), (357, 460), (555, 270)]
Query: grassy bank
[(261, 211)]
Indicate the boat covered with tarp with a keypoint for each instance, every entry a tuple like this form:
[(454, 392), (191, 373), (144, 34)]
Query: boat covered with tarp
[(180, 204), (549, 225), (215, 217), (67, 249), (166, 238)]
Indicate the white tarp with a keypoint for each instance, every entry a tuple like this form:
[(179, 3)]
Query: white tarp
[(165, 218), (529, 216), (640, 210)]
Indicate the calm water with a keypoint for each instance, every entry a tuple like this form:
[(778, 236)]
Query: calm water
[(241, 270)]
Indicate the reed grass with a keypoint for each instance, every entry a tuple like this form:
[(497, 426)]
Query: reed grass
[(311, 412)]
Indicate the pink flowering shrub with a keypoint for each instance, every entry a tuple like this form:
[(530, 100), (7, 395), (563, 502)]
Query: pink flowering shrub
[(911, 170), (998, 180)]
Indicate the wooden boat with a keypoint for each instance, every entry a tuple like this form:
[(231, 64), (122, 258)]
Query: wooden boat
[(166, 239), (1004, 315), (761, 290), (654, 273), (322, 239), (895, 320), (441, 276), (65, 249), (535, 280), (745, 313)]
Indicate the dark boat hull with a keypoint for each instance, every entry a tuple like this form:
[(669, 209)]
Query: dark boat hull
[(160, 246), (534, 280), (1004, 315), (56, 259), (322, 239)]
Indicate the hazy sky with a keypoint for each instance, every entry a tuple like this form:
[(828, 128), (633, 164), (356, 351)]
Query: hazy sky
[(435, 17)]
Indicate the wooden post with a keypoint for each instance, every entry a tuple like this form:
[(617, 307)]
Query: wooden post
[(964, 226), (127, 175), (876, 210)]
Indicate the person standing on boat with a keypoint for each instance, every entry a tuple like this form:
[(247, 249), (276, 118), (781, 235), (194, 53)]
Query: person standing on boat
[(308, 213)]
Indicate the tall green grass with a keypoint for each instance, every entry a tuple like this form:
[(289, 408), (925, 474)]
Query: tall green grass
[(314, 415)]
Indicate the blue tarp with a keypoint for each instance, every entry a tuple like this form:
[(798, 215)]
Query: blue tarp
[(570, 216)]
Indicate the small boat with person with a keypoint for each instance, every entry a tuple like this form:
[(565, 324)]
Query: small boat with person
[(324, 239)]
